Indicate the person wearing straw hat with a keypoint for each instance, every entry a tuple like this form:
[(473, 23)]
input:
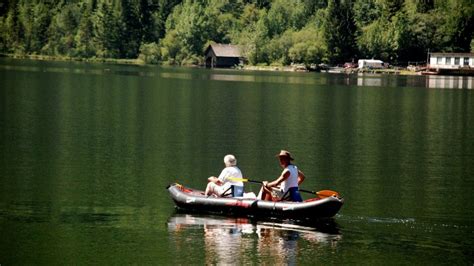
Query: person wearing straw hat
[(223, 185), (286, 185)]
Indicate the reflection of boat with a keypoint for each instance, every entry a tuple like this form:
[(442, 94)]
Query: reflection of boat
[(190, 199), (321, 231), (232, 240)]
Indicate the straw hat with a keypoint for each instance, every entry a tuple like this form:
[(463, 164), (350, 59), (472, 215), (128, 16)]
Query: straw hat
[(284, 153)]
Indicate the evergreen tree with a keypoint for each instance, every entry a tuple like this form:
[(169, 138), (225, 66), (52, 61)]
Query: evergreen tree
[(108, 31), (131, 33), (160, 15), (14, 31), (62, 30), (424, 6), (147, 22), (42, 20), (85, 34), (340, 31), (365, 12)]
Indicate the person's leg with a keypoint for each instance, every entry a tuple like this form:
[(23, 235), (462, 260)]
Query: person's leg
[(264, 194), (214, 189), (210, 189)]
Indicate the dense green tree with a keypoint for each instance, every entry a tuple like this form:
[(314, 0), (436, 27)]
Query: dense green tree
[(270, 31), (147, 22), (14, 31), (162, 9), (259, 3), (84, 45), (62, 30), (189, 27), (423, 28), (401, 36), (365, 12), (4, 7), (308, 47), (109, 31), (456, 33), (254, 39), (424, 6), (150, 53), (170, 47), (221, 20), (340, 31), (284, 15), (278, 48), (131, 29), (390, 7)]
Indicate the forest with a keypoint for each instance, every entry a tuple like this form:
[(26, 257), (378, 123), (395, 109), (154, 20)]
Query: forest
[(272, 32)]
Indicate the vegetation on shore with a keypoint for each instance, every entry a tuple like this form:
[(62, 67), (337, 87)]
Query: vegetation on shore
[(273, 32)]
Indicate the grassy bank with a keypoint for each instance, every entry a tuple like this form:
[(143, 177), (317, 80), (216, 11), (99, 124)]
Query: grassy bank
[(293, 68), (78, 59)]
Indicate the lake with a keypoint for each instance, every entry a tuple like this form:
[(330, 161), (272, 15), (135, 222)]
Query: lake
[(88, 150)]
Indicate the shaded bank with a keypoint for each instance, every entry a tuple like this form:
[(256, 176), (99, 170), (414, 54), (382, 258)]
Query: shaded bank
[(139, 62)]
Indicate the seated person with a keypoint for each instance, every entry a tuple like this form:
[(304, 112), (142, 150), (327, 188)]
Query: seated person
[(286, 185), (223, 185)]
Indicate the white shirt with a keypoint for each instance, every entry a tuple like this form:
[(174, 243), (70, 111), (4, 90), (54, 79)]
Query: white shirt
[(292, 180), (231, 171)]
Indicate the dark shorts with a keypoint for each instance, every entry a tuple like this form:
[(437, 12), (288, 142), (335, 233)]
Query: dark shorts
[(295, 194)]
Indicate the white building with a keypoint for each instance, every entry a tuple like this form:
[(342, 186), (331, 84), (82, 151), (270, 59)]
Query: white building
[(451, 60)]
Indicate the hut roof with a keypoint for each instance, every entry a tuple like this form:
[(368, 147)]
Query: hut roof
[(224, 50)]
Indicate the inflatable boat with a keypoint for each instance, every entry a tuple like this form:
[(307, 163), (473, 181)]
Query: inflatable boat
[(195, 200)]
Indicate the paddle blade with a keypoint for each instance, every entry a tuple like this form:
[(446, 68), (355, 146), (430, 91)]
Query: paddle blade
[(238, 179), (327, 193)]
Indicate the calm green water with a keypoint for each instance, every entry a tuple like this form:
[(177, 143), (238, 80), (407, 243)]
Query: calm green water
[(88, 149)]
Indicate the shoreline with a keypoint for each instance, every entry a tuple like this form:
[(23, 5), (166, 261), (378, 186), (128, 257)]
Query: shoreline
[(290, 68), (75, 59)]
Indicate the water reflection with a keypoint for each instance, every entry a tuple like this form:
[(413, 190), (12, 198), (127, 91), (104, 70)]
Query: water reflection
[(230, 239), (373, 81), (315, 79), (449, 82)]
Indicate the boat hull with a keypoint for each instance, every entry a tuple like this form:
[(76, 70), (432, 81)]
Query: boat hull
[(194, 200)]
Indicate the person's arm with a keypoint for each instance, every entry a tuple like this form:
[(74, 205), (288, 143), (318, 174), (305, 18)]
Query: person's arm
[(214, 179), (301, 177), (278, 181), (222, 179)]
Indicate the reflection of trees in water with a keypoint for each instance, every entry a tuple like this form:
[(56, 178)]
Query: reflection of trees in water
[(242, 241)]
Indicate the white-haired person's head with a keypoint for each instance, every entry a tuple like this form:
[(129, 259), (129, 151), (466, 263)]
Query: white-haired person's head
[(230, 160)]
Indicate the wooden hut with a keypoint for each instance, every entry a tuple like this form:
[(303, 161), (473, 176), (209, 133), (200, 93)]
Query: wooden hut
[(223, 55)]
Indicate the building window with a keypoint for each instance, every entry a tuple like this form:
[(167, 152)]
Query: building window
[(456, 61), (439, 60), (448, 60), (466, 61)]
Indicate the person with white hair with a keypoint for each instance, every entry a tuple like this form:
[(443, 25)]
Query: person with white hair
[(224, 185)]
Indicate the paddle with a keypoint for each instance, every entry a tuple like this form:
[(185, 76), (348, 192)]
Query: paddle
[(321, 194)]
